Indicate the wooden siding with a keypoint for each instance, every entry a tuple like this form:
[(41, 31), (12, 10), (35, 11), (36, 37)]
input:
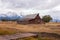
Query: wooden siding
[(36, 20)]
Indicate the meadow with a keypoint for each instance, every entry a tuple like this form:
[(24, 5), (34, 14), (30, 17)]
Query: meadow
[(11, 27)]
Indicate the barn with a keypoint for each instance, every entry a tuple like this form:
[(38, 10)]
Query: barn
[(31, 19)]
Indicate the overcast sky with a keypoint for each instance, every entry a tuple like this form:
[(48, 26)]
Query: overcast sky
[(44, 7)]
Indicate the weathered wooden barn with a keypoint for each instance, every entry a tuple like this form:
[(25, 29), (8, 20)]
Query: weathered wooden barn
[(31, 19)]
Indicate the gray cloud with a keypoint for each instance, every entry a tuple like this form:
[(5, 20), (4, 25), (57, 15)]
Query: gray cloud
[(26, 4), (55, 14), (31, 6)]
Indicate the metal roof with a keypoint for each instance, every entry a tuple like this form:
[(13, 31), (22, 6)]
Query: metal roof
[(29, 17)]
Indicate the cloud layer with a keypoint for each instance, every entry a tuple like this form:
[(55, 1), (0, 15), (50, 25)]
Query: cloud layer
[(26, 4), (31, 6)]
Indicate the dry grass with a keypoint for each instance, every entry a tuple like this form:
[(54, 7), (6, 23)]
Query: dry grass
[(7, 31), (48, 27)]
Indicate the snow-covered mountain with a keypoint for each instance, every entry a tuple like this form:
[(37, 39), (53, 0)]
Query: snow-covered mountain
[(55, 20), (10, 16)]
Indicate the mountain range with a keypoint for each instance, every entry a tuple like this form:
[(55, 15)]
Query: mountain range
[(55, 20), (13, 16), (10, 16)]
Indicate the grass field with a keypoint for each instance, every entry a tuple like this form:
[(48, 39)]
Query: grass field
[(48, 27), (13, 27), (7, 31)]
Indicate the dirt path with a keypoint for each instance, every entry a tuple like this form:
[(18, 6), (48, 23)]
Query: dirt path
[(22, 35), (49, 35), (2, 38), (15, 36)]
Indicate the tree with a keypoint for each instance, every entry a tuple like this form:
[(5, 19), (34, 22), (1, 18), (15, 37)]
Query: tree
[(46, 18)]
